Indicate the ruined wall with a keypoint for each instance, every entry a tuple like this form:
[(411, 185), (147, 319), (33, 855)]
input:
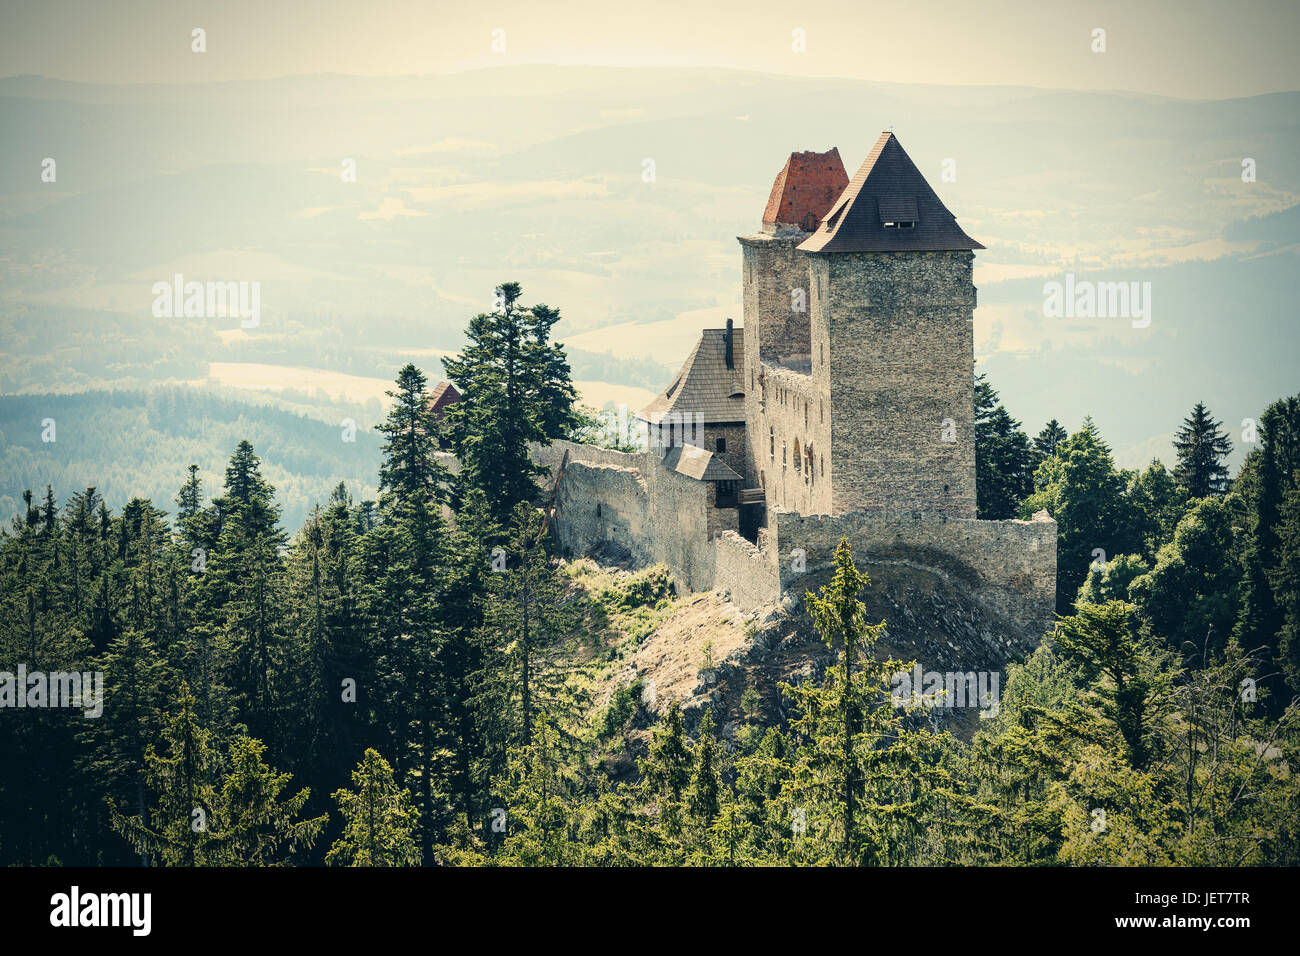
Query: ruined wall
[(719, 519), (747, 573), (900, 360), (658, 516), (1008, 566), (632, 502)]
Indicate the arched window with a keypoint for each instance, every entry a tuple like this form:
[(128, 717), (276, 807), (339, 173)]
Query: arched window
[(798, 457), (771, 437)]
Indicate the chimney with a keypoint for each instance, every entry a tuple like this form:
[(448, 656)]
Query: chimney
[(726, 338)]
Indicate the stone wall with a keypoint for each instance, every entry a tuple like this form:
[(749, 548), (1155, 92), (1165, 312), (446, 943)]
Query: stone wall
[(900, 353), (773, 330), (1008, 566), (632, 502), (655, 515), (748, 574), (792, 418), (734, 436)]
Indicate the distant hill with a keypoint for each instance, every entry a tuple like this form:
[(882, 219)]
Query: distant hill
[(130, 444), (616, 195)]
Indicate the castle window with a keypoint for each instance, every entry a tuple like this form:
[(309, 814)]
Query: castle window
[(823, 466), (771, 437), (784, 457), (821, 353), (797, 457), (821, 408), (805, 414), (598, 509), (722, 444)]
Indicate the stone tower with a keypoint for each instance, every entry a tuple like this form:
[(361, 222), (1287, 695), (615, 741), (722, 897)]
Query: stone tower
[(777, 313), (872, 407)]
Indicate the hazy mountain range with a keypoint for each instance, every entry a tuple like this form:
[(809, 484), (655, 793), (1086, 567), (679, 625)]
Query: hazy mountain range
[(538, 174)]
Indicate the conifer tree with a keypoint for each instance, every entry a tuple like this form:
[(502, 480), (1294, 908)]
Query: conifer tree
[(379, 821), (535, 813), (1004, 459), (410, 471), (1101, 640), (240, 592), (1201, 449), (515, 390), (525, 617), (703, 800), (666, 770), (1085, 493), (1270, 474), (1049, 440), (183, 779), (253, 825), (842, 722)]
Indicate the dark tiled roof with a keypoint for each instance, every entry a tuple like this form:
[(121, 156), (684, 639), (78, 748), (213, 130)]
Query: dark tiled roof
[(888, 188), (805, 188), (705, 386), (699, 463), (442, 396)]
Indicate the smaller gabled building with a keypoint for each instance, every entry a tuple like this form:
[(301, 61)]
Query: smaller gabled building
[(704, 405)]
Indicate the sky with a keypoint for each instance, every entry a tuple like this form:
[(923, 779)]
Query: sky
[(1182, 48)]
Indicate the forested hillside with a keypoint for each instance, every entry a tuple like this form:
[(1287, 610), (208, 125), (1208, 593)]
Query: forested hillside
[(129, 444), (382, 686)]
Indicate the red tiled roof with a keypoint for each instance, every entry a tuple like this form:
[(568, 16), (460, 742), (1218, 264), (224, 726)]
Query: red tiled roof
[(805, 188), (888, 188)]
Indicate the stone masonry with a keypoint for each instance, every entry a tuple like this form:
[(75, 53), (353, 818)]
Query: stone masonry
[(857, 382)]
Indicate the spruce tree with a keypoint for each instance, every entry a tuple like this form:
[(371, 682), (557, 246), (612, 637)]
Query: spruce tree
[(522, 676), (841, 723), (1201, 449), (1102, 641), (410, 471), (378, 819), (703, 801), (183, 779), (1270, 474), (1004, 459), (1049, 440), (515, 390), (666, 771)]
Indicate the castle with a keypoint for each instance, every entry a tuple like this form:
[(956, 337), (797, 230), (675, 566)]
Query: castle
[(842, 407)]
